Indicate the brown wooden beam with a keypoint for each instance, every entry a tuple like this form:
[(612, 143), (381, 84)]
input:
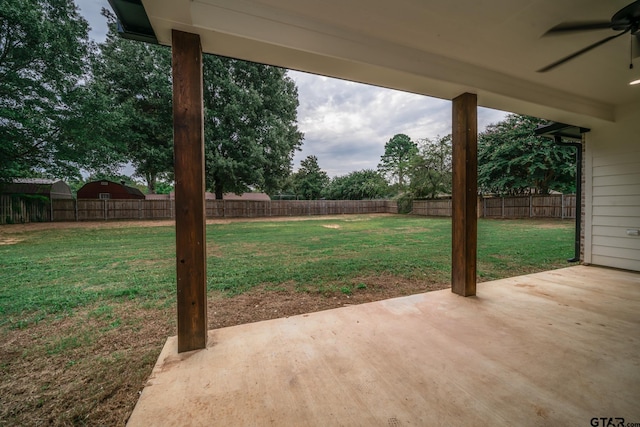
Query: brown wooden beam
[(465, 195), (188, 140)]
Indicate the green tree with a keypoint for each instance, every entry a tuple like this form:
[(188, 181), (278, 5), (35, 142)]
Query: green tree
[(164, 187), (310, 181), (250, 115), (358, 185), (430, 169), (250, 125), (93, 130), (513, 160), (43, 46), (398, 151), (135, 78)]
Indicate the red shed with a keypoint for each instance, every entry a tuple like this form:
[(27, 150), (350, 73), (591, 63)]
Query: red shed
[(108, 190)]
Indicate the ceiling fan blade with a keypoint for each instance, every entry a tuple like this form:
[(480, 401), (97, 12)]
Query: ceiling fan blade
[(569, 27), (580, 52)]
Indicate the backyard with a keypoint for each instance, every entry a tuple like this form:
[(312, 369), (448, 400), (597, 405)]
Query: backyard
[(86, 307)]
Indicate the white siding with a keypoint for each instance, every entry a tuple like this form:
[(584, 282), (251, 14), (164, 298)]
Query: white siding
[(625, 222), (613, 170), (622, 190)]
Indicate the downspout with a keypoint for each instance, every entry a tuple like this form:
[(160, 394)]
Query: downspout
[(578, 147)]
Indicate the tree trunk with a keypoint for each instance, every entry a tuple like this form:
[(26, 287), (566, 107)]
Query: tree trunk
[(218, 190), (151, 183)]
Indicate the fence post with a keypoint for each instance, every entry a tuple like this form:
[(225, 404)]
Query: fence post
[(502, 198), (530, 206), (562, 206), (139, 208), (105, 209), (51, 204)]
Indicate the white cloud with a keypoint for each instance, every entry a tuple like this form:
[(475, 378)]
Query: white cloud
[(347, 124)]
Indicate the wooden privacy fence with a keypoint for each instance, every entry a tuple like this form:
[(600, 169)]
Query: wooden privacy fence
[(87, 210), (16, 209), (254, 209), (550, 206), (19, 210), (112, 209)]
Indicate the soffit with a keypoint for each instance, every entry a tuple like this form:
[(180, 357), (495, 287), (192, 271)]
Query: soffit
[(433, 47)]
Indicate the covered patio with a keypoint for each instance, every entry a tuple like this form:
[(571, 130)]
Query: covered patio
[(553, 348)]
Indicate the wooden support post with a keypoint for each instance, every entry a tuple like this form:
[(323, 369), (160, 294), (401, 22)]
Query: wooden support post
[(188, 139), (464, 195)]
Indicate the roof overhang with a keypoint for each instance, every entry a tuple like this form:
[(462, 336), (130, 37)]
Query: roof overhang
[(557, 130), (132, 20), (429, 47)]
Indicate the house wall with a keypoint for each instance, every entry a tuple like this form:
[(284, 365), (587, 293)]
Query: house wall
[(612, 178)]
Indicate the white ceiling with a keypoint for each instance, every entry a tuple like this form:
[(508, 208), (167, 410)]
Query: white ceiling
[(434, 47)]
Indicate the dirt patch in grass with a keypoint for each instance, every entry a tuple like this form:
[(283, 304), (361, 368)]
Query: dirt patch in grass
[(84, 368), (550, 224), (9, 240), (89, 366), (213, 249), (39, 226), (265, 302)]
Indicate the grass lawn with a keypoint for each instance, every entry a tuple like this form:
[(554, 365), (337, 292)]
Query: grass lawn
[(85, 308)]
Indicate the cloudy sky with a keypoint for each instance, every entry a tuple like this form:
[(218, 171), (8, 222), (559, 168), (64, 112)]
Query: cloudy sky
[(346, 124)]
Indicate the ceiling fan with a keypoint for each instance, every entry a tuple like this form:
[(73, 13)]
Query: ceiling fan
[(626, 20)]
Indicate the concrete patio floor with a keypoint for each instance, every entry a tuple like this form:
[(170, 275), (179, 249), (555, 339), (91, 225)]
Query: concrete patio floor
[(556, 348)]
